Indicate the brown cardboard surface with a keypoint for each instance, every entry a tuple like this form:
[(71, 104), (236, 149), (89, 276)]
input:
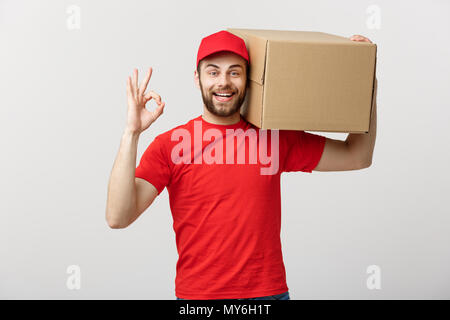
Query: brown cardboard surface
[(304, 80)]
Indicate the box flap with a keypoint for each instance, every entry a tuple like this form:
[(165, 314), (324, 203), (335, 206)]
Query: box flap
[(256, 47), (254, 96)]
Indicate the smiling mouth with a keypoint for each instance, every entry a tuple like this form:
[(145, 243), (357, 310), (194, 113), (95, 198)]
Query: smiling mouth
[(223, 97), (223, 94)]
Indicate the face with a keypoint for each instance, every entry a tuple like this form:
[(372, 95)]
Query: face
[(222, 73)]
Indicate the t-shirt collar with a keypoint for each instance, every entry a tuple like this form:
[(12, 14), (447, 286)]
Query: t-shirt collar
[(239, 124)]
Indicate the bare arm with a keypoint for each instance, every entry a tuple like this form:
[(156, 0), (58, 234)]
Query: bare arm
[(362, 145), (129, 196), (121, 203)]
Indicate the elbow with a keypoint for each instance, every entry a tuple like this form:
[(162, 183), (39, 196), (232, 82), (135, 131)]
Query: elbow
[(365, 164), (115, 223)]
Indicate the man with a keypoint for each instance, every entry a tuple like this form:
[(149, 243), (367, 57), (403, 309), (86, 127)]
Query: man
[(223, 178)]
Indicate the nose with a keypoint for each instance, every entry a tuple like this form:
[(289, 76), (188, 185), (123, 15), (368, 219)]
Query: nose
[(223, 79)]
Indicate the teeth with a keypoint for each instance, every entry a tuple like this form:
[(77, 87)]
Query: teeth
[(224, 94)]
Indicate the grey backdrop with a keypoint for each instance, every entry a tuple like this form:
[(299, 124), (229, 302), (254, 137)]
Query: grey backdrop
[(63, 110)]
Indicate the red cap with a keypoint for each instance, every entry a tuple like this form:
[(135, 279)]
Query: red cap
[(222, 41)]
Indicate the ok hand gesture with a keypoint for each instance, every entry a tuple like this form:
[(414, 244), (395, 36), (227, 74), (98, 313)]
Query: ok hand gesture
[(138, 117)]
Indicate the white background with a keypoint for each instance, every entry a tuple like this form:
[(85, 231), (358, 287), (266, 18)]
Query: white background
[(63, 111)]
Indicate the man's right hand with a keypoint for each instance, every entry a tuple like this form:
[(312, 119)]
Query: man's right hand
[(139, 118)]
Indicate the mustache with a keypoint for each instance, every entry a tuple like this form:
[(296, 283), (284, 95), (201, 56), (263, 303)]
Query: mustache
[(224, 89)]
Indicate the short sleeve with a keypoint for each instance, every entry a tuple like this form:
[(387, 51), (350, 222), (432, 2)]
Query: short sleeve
[(154, 166), (302, 150)]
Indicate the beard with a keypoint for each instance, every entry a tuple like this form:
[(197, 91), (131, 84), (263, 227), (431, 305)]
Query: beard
[(223, 109)]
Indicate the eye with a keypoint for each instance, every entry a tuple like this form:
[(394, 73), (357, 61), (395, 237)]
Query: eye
[(235, 73), (212, 73)]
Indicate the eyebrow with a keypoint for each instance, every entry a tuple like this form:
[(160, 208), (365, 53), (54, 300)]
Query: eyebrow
[(232, 66)]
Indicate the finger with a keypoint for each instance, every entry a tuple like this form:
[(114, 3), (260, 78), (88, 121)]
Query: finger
[(144, 84), (159, 110), (128, 86), (362, 38), (135, 81), (358, 37), (366, 40), (151, 94)]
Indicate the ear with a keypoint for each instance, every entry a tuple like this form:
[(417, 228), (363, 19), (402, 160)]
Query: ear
[(196, 79)]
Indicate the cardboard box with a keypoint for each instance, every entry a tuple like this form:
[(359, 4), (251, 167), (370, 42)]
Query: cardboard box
[(301, 80)]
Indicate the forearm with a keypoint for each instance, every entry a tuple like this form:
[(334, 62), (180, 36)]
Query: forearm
[(121, 202), (362, 145)]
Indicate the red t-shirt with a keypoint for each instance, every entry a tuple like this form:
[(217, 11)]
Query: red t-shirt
[(226, 206)]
